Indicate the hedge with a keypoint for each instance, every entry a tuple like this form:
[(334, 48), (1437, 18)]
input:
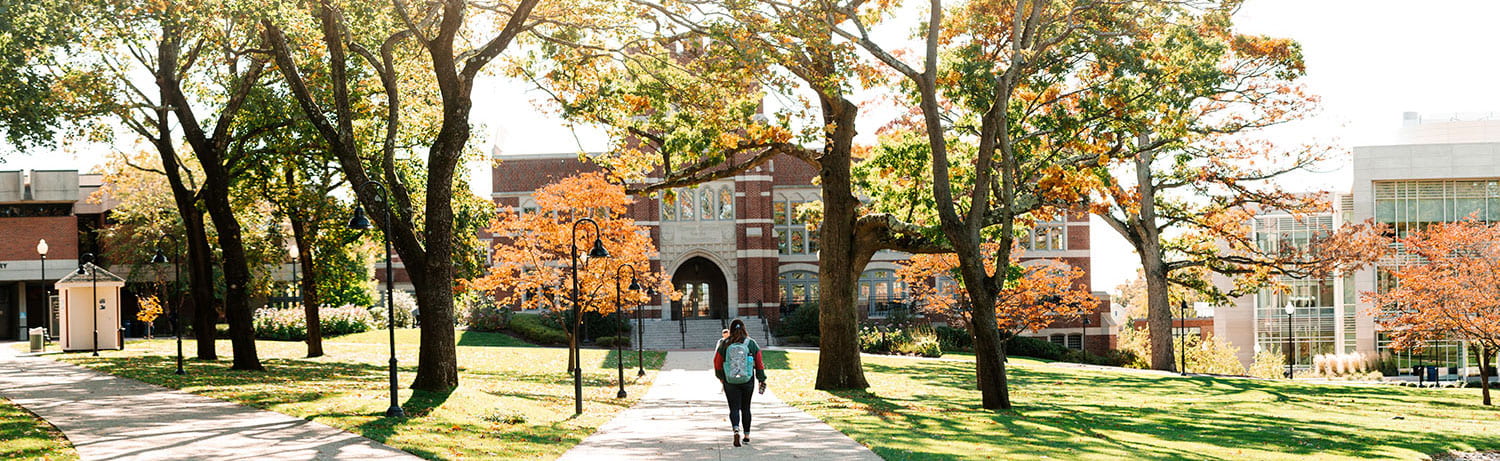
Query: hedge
[(532, 327)]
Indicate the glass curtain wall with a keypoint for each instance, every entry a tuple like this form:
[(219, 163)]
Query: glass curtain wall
[(1316, 318)]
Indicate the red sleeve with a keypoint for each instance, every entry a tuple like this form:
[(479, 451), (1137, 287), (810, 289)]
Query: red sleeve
[(719, 360), (760, 364)]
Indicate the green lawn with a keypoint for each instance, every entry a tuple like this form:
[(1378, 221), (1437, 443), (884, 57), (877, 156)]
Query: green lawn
[(514, 400), (928, 410), (25, 436)]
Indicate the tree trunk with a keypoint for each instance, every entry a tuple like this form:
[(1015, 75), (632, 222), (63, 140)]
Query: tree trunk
[(839, 364), (302, 235), (199, 254), (1158, 310), (236, 270), (1484, 373), (437, 364)]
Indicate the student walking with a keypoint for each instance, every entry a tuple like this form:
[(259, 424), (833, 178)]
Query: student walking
[(738, 365)]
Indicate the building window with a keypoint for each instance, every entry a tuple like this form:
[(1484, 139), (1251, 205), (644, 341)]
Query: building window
[(1046, 237), (881, 285), (699, 203), (726, 203), (1312, 324), (1075, 341), (1412, 205), (1058, 339), (799, 287), (791, 231)]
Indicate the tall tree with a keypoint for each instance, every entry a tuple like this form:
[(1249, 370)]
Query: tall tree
[(454, 54), (999, 90), (1189, 96), (682, 90), (1446, 284), (196, 55)]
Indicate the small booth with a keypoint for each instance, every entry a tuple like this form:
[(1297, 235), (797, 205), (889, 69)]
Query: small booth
[(90, 299)]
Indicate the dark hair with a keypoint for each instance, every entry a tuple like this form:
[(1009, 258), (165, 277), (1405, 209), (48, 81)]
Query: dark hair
[(737, 332)]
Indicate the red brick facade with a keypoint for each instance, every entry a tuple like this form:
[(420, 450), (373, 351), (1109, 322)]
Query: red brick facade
[(748, 252)]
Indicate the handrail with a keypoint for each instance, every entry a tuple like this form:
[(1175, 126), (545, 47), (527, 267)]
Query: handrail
[(682, 328)]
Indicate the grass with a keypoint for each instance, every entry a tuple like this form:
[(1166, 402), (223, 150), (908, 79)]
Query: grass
[(916, 409), (27, 437), (514, 400)]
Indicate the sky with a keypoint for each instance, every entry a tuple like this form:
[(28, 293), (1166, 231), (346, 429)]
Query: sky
[(1369, 60)]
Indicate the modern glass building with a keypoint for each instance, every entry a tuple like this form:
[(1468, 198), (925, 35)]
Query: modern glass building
[(1440, 169)]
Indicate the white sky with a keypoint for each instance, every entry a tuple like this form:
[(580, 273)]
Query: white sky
[(1370, 60)]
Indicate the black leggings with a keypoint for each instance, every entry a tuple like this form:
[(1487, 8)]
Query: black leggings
[(739, 403)]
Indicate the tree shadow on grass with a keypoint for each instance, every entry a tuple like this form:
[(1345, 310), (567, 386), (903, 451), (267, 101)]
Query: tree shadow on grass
[(1175, 415), (653, 360)]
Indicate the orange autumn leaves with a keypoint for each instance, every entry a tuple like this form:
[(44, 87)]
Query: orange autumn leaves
[(1036, 294), (531, 257), (1448, 286)]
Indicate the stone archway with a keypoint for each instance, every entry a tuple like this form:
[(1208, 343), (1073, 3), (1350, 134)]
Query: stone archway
[(704, 289)]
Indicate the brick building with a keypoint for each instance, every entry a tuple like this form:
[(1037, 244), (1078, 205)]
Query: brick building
[(735, 247), (42, 205)]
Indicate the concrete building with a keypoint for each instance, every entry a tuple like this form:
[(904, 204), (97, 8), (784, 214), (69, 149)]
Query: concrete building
[(1440, 169), (735, 247)]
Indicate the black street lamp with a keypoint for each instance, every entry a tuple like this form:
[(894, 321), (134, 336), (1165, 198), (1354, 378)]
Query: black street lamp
[(360, 222), (1182, 309), (640, 336), (41, 249), (1083, 341), (94, 276), (160, 258), (1291, 356), (597, 251), (635, 285)]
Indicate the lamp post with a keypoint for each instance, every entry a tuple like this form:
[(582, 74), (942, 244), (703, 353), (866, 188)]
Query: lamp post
[(640, 336), (1291, 356), (360, 222), (41, 249), (94, 277), (635, 285), (1182, 309), (296, 289), (597, 251), (160, 258), (1083, 340)]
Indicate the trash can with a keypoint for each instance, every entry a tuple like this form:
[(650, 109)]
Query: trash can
[(1432, 373), (38, 335)]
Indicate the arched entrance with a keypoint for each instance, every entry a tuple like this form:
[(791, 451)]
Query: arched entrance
[(705, 292)]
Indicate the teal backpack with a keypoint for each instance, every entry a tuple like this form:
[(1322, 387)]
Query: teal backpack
[(739, 365)]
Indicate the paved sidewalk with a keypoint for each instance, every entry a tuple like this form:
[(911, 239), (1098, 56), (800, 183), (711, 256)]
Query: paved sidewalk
[(684, 417), (111, 418)]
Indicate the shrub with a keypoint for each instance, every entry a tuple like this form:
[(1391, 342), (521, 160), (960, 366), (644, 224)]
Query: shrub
[(345, 320), (291, 324), (1034, 348), (1269, 365), (599, 325), (954, 339), (1212, 356), (405, 306), (488, 318), (611, 342), (919, 341), (1388, 365), (1342, 365), (801, 322), (534, 328), (876, 340)]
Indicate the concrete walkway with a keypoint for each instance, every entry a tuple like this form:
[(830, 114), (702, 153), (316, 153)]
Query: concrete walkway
[(111, 418), (685, 417)]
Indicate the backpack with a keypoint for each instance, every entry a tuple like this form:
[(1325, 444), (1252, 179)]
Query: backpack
[(739, 365)]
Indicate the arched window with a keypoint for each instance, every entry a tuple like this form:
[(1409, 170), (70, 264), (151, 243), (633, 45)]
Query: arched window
[(668, 207), (706, 204), (799, 286), (881, 285), (686, 204), (726, 203)]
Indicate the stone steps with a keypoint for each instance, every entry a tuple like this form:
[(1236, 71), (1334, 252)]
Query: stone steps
[(661, 335)]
